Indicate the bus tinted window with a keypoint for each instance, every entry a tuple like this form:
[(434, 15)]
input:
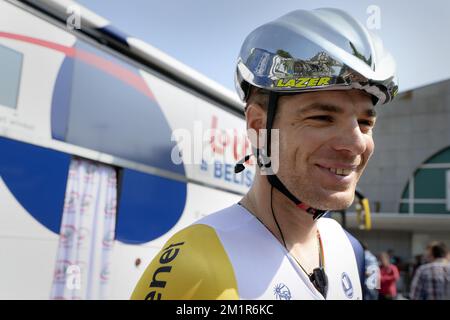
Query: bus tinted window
[(104, 104), (10, 68)]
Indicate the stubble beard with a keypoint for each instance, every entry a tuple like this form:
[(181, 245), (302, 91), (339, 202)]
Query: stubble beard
[(317, 197)]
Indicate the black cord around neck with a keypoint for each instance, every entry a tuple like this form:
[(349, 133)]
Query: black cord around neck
[(275, 218), (318, 276)]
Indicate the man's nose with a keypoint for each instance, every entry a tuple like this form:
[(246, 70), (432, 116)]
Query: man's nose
[(351, 139)]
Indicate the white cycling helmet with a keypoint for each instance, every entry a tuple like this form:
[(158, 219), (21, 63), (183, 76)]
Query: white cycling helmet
[(322, 49)]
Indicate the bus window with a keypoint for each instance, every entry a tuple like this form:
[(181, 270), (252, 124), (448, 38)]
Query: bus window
[(10, 68)]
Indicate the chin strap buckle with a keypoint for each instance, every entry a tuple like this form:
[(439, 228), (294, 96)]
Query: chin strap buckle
[(316, 213)]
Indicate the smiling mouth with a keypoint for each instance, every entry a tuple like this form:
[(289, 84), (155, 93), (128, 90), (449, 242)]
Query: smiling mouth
[(344, 172), (340, 171)]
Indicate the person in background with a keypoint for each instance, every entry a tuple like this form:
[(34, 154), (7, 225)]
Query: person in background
[(372, 275), (393, 258), (432, 280), (389, 277), (418, 261)]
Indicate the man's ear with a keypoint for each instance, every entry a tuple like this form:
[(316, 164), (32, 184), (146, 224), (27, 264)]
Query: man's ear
[(255, 116), (256, 121)]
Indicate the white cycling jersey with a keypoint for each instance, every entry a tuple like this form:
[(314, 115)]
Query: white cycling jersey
[(230, 254)]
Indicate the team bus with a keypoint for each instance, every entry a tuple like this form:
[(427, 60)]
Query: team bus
[(107, 147)]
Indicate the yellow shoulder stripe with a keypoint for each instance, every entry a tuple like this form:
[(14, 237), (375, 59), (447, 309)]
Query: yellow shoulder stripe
[(192, 265)]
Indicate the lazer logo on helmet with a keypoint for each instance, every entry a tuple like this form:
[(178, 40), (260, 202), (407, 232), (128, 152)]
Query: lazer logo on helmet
[(303, 82)]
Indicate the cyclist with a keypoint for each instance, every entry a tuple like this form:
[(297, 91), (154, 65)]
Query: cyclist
[(310, 81)]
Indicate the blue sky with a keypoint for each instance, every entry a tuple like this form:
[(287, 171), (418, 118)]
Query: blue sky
[(207, 34)]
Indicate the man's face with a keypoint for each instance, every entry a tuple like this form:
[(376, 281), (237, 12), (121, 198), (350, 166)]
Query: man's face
[(325, 143)]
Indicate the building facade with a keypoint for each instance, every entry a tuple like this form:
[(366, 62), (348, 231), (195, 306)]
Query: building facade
[(407, 179)]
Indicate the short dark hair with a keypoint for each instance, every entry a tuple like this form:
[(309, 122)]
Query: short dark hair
[(258, 96), (438, 249)]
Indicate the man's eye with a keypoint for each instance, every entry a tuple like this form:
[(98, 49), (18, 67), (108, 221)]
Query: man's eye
[(366, 125), (322, 118)]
